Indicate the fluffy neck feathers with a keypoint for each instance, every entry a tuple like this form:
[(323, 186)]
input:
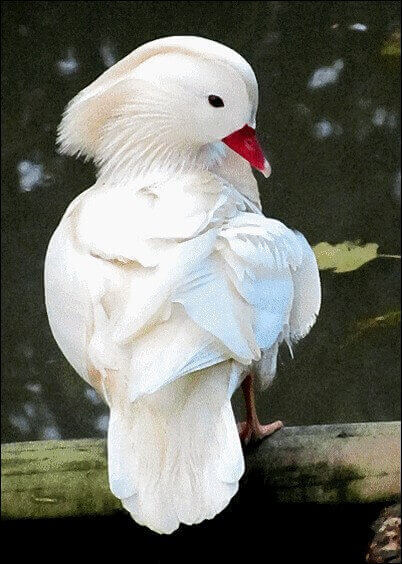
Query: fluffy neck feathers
[(148, 162), (152, 156)]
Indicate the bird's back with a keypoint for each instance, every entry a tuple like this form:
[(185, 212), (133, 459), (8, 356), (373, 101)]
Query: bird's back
[(161, 297)]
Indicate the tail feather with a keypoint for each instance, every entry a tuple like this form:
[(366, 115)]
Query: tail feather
[(175, 455)]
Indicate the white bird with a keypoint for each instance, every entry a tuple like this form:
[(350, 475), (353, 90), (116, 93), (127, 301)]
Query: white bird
[(166, 287)]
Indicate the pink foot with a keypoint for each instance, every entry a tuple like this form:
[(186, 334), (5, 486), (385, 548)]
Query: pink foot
[(249, 432)]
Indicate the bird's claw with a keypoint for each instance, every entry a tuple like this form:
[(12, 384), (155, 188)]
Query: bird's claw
[(250, 432)]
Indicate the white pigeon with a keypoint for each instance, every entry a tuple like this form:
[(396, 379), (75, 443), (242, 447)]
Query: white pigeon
[(166, 287)]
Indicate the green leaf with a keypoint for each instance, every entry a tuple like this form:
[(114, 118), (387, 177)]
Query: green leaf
[(344, 257)]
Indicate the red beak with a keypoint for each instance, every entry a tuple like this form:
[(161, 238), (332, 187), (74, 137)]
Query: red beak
[(244, 142)]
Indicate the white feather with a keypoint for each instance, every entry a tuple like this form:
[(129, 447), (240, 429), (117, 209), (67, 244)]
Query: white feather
[(164, 282)]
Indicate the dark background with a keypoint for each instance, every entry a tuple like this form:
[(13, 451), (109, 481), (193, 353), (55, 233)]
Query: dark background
[(334, 151), (333, 142)]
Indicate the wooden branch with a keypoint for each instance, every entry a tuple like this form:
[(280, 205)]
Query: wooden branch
[(357, 462)]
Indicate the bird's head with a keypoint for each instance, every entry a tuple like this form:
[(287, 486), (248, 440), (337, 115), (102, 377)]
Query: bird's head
[(172, 103)]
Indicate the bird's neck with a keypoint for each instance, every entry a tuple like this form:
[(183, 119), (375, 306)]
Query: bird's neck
[(147, 166)]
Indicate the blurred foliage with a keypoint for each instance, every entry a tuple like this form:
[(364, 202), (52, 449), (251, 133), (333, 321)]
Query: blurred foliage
[(392, 46), (389, 319), (363, 327)]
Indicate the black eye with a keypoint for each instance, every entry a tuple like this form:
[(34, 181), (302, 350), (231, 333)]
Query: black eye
[(215, 101)]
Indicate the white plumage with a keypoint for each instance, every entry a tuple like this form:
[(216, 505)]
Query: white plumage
[(164, 282)]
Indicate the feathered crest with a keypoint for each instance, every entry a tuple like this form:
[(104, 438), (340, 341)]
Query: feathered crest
[(81, 130)]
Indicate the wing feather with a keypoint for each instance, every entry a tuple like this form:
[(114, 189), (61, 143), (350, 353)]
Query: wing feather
[(222, 283)]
